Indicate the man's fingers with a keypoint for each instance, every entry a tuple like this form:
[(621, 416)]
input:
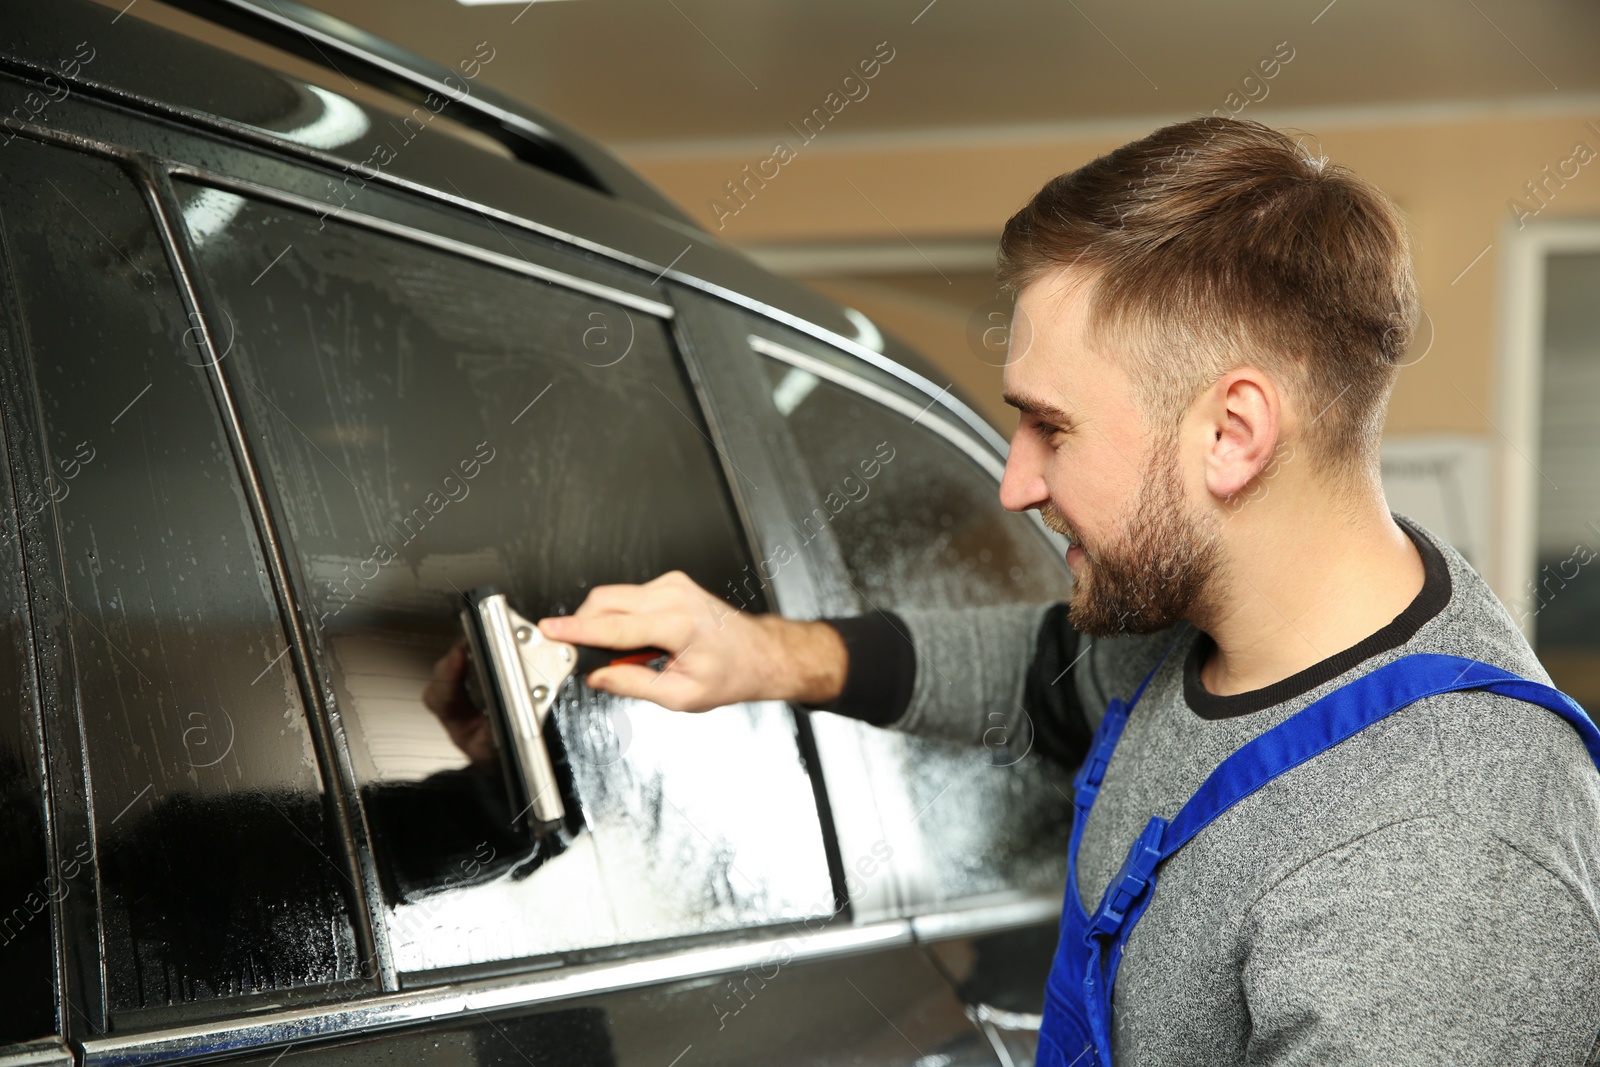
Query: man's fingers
[(672, 690), (673, 579), (615, 631), (604, 598), (449, 667), (440, 693)]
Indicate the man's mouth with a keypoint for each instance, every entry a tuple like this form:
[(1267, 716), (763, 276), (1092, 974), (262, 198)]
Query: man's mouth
[(1075, 549)]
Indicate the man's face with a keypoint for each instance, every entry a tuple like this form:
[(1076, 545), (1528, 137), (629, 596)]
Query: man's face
[(1142, 548)]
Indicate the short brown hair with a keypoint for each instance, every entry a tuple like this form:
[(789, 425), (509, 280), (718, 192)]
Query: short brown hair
[(1217, 242)]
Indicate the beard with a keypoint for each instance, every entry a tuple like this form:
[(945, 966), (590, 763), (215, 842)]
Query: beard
[(1158, 569)]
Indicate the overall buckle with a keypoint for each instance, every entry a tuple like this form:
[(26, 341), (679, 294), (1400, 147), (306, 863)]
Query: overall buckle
[(1093, 772), (1131, 882)]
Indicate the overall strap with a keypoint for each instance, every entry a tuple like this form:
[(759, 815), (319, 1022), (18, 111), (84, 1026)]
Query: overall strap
[(1350, 709), (1309, 732), (1086, 783), (1093, 770)]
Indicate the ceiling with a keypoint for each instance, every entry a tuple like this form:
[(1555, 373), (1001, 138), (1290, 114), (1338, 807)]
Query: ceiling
[(661, 75)]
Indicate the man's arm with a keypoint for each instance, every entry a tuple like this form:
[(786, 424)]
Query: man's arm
[(999, 676), (1011, 676), (1006, 676), (717, 654), (935, 672), (1426, 942)]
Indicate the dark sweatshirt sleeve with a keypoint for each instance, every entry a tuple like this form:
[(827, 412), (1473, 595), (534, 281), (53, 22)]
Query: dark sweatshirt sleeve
[(915, 671), (881, 671), (1061, 730)]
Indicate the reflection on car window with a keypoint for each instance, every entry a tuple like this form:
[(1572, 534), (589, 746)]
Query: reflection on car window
[(431, 425), (220, 871), (919, 523), (934, 534)]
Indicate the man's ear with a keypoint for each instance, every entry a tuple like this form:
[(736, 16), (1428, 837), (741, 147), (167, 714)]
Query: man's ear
[(1241, 413)]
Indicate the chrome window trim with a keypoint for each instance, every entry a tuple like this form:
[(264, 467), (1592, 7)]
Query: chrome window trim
[(468, 999), (974, 422), (45, 1052), (987, 919), (242, 187), (471, 998), (925, 416), (465, 1000)]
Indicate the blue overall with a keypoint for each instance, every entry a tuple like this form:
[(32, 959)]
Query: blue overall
[(1076, 1031)]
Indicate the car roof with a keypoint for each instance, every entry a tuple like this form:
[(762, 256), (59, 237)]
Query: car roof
[(560, 183)]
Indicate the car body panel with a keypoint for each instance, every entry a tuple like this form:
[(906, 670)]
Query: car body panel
[(160, 126)]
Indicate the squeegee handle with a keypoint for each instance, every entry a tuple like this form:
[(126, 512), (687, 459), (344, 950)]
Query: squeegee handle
[(591, 658)]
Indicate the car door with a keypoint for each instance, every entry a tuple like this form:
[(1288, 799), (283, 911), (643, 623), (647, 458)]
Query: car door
[(887, 498), (980, 831), (440, 409), (218, 632)]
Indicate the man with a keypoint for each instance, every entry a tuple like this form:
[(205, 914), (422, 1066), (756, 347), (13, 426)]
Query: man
[(1208, 325)]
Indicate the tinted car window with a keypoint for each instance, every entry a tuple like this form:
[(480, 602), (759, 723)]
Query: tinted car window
[(432, 424), (934, 533), (215, 850), (912, 502)]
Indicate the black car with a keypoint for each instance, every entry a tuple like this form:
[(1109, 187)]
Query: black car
[(289, 374)]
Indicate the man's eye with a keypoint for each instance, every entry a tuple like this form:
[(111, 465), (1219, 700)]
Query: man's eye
[(1046, 430)]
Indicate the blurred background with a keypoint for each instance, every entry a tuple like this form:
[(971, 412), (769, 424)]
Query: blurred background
[(887, 190)]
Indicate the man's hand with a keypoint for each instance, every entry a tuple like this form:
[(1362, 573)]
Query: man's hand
[(720, 655), (446, 696)]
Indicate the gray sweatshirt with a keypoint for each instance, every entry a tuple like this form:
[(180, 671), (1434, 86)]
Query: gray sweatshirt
[(1425, 892)]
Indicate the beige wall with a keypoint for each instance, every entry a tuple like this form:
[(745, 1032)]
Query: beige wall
[(1452, 173)]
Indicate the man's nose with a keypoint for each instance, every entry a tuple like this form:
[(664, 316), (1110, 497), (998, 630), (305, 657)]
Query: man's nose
[(1023, 487)]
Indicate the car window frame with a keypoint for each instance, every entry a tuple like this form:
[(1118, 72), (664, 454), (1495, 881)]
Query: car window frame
[(993, 463), (906, 394), (632, 293)]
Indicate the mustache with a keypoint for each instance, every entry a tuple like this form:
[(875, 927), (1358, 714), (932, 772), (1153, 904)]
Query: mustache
[(1051, 516)]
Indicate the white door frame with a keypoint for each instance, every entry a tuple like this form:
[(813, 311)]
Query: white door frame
[(1520, 386)]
